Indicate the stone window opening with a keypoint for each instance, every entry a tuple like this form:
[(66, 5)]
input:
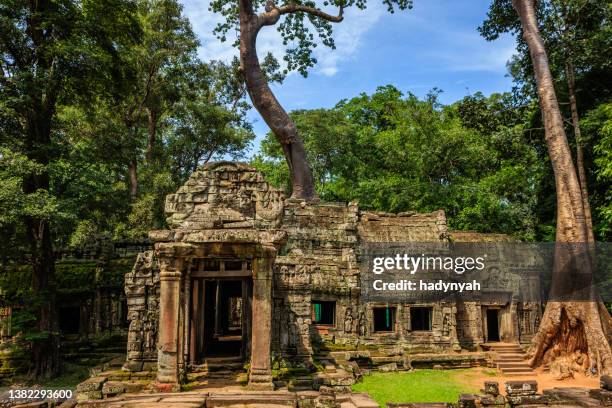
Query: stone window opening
[(323, 313), (420, 318), (384, 319)]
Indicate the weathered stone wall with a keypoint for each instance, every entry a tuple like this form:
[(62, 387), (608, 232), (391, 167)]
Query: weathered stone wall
[(91, 279), (224, 196), (142, 291), (321, 261), (318, 260), (319, 253)]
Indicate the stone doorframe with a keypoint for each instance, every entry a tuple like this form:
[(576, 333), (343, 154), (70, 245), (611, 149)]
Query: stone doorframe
[(174, 260)]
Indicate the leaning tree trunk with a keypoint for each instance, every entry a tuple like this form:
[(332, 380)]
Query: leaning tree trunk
[(571, 86), (270, 109), (572, 334)]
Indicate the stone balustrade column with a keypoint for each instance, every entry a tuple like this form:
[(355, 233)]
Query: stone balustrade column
[(260, 375), (169, 309)]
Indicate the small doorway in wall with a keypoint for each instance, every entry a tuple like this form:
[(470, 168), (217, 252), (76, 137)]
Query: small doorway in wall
[(492, 325)]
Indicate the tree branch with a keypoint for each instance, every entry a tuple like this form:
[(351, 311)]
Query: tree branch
[(273, 13)]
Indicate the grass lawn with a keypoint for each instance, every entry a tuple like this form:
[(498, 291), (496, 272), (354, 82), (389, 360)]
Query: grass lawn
[(422, 385)]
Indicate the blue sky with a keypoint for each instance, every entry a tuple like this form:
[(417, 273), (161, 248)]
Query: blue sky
[(435, 44)]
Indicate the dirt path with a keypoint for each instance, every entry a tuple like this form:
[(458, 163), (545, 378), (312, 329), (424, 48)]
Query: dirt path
[(545, 380)]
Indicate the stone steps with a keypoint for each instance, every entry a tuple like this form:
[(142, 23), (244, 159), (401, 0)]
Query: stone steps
[(510, 360), (217, 372), (242, 399)]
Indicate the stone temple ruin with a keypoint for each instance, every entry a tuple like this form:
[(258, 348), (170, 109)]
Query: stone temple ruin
[(244, 271)]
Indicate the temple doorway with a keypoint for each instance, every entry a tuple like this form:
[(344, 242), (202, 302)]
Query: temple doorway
[(220, 320), (492, 325)]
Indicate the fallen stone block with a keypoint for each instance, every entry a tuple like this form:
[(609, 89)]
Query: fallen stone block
[(467, 401), (521, 387), (521, 400), (385, 368), (604, 396), (91, 384), (88, 395), (112, 388), (491, 388)]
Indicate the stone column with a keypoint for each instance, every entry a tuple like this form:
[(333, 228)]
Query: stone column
[(260, 375), (169, 309)]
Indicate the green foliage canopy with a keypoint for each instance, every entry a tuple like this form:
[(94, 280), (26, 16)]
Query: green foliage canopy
[(392, 152)]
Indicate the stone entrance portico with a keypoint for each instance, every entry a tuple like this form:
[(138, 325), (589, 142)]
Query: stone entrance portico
[(215, 224)]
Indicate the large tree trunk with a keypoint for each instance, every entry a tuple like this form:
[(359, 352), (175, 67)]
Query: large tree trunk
[(572, 334), (45, 350), (45, 353), (571, 86), (152, 137), (133, 178), (270, 109)]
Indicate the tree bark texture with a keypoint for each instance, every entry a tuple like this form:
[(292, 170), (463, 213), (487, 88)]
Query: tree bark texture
[(152, 120), (571, 87), (45, 350), (133, 178), (573, 335), (270, 109)]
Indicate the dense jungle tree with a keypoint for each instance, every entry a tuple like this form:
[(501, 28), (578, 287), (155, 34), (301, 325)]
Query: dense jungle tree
[(573, 334), (176, 113), (160, 62), (70, 73), (296, 19), (395, 152), (51, 51)]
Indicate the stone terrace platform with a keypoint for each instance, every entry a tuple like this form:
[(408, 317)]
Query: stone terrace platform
[(250, 399)]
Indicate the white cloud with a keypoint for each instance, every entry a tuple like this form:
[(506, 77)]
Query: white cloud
[(347, 35), (467, 51)]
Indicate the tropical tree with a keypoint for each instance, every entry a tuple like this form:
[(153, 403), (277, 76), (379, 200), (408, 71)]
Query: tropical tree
[(51, 51), (571, 329), (395, 152), (577, 36), (297, 19)]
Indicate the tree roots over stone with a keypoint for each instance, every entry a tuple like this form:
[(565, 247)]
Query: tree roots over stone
[(573, 337)]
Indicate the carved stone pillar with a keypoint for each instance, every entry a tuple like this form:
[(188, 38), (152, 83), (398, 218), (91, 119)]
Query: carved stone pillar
[(260, 375), (168, 347)]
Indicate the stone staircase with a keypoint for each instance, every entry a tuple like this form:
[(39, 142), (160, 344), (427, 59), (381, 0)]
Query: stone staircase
[(510, 359), (218, 372), (234, 399)]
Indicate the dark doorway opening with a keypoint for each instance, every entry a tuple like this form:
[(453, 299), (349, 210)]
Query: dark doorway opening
[(70, 319), (223, 318), (492, 325), (220, 318)]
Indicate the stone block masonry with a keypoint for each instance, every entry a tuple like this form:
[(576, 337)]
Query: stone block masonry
[(299, 266)]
